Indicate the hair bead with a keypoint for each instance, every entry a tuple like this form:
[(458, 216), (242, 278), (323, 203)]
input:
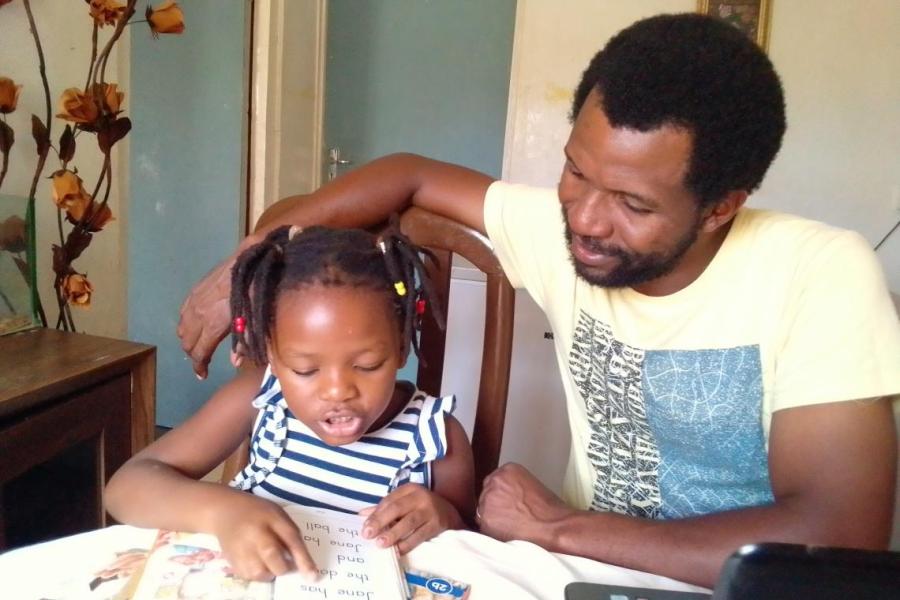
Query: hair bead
[(240, 324)]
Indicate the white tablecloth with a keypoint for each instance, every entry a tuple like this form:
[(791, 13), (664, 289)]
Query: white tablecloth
[(61, 569)]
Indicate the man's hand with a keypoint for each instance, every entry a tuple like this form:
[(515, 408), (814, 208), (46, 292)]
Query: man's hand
[(408, 516), (515, 505), (206, 316), (259, 539)]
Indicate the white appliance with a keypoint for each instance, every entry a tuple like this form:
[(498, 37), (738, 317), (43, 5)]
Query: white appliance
[(536, 432)]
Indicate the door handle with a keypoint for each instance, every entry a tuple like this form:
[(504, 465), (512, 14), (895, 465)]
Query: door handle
[(335, 160)]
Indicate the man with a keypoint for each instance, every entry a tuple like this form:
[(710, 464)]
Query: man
[(727, 371)]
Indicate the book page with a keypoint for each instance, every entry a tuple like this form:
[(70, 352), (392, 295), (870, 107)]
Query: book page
[(191, 565), (349, 566)]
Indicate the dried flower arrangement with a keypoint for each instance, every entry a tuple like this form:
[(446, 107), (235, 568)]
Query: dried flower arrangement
[(95, 110)]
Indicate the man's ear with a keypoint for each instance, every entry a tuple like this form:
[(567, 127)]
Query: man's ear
[(721, 212)]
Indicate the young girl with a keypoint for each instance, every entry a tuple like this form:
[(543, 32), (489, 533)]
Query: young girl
[(333, 314)]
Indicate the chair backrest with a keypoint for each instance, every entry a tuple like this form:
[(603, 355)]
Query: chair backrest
[(446, 237)]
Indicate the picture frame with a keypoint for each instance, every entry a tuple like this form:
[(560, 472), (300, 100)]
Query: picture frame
[(750, 16)]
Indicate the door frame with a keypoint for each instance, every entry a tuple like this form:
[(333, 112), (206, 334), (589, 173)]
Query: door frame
[(273, 121)]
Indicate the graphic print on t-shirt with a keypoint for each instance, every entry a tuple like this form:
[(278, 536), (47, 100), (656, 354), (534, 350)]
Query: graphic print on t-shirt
[(673, 433)]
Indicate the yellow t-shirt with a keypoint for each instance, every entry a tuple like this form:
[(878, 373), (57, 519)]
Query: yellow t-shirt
[(670, 398)]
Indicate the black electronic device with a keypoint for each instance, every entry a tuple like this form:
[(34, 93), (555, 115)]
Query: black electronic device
[(778, 572)]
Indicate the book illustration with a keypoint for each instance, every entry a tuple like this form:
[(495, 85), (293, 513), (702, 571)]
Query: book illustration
[(186, 566), (109, 581)]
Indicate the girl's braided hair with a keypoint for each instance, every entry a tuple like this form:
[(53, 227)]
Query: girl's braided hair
[(289, 259)]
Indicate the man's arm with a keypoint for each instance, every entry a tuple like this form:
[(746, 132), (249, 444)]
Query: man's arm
[(363, 197), (832, 469)]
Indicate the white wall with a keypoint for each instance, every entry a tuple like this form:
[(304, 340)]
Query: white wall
[(840, 162), (840, 66), (65, 30)]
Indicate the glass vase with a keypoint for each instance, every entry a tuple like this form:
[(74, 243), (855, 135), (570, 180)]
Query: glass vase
[(18, 294)]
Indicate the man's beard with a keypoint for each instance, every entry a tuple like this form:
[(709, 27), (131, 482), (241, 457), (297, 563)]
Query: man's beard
[(633, 269)]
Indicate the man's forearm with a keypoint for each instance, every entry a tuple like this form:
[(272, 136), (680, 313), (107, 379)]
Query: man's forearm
[(693, 549), (369, 194)]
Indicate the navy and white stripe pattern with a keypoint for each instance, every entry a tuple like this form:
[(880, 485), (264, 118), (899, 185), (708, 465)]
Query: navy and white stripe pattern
[(289, 463)]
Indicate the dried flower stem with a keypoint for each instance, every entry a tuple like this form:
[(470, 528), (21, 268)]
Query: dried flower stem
[(120, 27), (42, 156), (87, 84), (5, 165)]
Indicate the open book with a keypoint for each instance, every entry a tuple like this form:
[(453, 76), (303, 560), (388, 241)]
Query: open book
[(190, 565)]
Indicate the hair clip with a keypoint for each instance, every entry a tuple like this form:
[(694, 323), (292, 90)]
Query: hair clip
[(240, 324), (294, 231), (400, 287), (380, 243), (420, 306)]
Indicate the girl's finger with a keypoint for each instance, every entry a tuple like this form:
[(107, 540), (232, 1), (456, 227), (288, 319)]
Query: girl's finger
[(387, 511), (252, 568), (401, 529), (302, 561), (422, 534), (276, 558)]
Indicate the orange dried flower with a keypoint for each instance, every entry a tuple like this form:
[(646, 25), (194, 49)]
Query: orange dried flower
[(168, 18), (108, 97), (68, 192), (77, 207), (106, 12), (78, 107), (9, 95), (100, 218), (94, 215), (78, 290)]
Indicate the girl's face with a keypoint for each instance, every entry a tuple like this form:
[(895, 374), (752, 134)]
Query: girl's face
[(336, 351)]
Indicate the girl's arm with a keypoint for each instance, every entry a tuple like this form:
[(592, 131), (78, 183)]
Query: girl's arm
[(159, 487), (454, 475), (412, 514)]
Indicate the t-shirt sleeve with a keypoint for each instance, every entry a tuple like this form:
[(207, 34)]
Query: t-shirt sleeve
[(525, 227), (841, 338)]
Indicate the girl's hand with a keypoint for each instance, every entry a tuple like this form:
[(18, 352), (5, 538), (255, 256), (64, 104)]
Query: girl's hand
[(408, 516), (259, 539)]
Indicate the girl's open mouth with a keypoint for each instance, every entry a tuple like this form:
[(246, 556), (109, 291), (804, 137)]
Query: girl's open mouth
[(341, 426)]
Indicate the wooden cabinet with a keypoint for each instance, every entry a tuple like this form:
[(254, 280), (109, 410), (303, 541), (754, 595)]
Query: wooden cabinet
[(73, 408)]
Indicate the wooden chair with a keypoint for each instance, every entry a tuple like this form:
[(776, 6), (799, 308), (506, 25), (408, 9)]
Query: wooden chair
[(446, 237)]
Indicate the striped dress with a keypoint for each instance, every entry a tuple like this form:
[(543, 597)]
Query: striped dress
[(290, 464)]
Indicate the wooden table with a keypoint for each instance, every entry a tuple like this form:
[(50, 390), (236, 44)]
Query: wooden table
[(73, 408)]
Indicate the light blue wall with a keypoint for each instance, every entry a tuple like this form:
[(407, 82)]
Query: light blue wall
[(186, 184), (430, 77)]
